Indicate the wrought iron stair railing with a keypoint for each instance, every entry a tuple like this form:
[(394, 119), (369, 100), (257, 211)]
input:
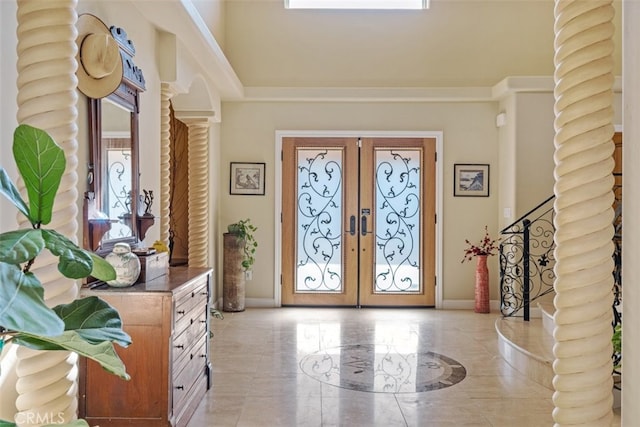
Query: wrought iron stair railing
[(526, 260)]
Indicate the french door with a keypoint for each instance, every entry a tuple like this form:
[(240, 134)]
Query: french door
[(358, 221)]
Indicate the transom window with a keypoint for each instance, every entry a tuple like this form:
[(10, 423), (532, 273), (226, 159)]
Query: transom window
[(356, 4)]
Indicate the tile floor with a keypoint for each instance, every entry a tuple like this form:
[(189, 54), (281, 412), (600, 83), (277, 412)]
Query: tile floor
[(361, 367)]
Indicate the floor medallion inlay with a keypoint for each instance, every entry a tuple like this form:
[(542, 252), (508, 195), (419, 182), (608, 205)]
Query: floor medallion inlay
[(382, 368)]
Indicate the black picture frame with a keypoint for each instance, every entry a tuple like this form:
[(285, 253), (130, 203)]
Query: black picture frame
[(247, 178), (471, 180)]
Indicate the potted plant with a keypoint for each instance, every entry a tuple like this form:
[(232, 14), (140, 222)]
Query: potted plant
[(243, 231), (87, 326), (239, 255)]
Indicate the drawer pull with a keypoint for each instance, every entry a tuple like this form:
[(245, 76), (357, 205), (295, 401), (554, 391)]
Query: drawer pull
[(180, 346), (204, 293), (191, 356), (180, 387), (180, 311), (192, 321), (203, 321), (193, 294)]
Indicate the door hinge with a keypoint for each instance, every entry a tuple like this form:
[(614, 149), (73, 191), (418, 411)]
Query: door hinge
[(280, 217), (359, 142), (281, 155), (435, 155), (281, 280), (435, 282), (435, 219)]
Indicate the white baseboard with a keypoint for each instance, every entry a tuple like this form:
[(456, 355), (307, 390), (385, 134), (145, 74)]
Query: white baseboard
[(251, 302), (453, 304)]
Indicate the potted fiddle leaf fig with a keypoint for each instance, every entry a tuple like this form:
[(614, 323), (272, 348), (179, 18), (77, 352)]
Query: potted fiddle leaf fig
[(88, 326)]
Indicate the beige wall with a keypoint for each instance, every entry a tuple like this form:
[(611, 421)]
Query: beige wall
[(454, 43), (527, 148), (469, 136), (534, 150)]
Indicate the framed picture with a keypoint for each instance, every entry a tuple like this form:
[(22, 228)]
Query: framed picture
[(471, 180), (247, 179)]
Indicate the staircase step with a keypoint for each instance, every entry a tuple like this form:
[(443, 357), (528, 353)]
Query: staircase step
[(547, 310), (527, 347)]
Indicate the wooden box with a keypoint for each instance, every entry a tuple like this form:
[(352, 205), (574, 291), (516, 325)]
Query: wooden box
[(153, 266)]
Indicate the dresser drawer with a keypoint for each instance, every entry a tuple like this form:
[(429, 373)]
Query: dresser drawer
[(183, 343), (187, 375), (186, 302), (190, 319)]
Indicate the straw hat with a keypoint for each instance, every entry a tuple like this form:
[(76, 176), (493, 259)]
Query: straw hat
[(99, 61)]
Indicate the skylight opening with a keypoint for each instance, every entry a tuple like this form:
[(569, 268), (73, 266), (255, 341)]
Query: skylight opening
[(356, 4)]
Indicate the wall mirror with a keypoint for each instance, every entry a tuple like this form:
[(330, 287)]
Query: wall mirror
[(112, 199), (111, 208)]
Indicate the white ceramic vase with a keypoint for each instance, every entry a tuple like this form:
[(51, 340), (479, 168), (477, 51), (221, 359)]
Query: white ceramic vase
[(126, 264)]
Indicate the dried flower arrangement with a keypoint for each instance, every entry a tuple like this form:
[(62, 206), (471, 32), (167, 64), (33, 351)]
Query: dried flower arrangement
[(486, 246)]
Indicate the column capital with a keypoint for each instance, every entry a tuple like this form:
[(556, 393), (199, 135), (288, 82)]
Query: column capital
[(169, 90), (193, 117)]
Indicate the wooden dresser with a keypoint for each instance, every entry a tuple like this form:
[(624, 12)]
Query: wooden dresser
[(168, 360)]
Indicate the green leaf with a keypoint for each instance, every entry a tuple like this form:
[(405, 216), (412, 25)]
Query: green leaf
[(41, 163), (94, 320), (103, 353), (74, 263), (20, 246), (102, 270), (11, 192), (4, 423), (22, 306)]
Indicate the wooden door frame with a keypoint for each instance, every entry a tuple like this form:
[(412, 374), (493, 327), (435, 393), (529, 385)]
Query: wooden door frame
[(277, 227)]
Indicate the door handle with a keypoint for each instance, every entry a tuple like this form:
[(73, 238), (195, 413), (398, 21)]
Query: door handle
[(363, 225), (352, 225)]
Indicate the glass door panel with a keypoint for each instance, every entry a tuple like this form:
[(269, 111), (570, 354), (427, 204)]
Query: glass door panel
[(397, 213), (319, 248)]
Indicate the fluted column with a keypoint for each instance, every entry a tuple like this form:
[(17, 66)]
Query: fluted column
[(166, 93), (198, 153), (47, 381), (584, 214)]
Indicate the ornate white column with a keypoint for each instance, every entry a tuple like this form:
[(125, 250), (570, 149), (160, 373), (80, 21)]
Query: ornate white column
[(198, 153), (584, 81), (47, 98)]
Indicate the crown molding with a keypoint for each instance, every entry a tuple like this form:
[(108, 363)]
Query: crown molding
[(364, 94), (180, 17), (533, 84)]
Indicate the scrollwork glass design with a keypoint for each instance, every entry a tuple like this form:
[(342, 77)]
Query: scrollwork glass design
[(397, 199), (119, 192), (319, 221)]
